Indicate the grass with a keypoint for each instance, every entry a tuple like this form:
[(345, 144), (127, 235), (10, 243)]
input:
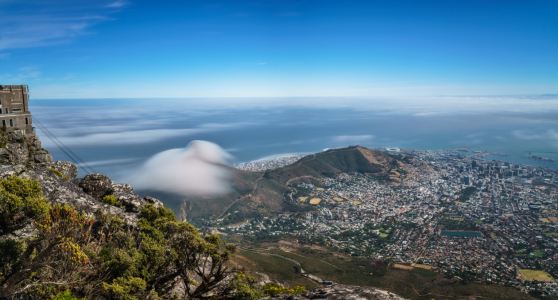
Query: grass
[(529, 275), (338, 199), (319, 189), (357, 202), (315, 201), (479, 222), (383, 235), (538, 254), (544, 220), (302, 199), (275, 267), (553, 219), (402, 267), (551, 233)]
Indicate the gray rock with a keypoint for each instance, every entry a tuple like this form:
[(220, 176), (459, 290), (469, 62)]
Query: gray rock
[(96, 185), (58, 190), (19, 152), (132, 202), (175, 288), (120, 188), (34, 141), (42, 156), (13, 136), (153, 201), (5, 154), (68, 169), (341, 292)]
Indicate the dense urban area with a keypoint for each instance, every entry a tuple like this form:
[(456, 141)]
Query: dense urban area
[(262, 165), (455, 212)]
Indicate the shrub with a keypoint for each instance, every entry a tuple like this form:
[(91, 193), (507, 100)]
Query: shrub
[(247, 288), (65, 295), (111, 200), (57, 172), (20, 203)]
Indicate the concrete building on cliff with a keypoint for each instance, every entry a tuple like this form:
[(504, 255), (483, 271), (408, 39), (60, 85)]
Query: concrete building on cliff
[(14, 109)]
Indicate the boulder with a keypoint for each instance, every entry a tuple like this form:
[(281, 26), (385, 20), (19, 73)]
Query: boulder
[(33, 141), (96, 185), (42, 156), (341, 292), (156, 202), (68, 169), (120, 188), (132, 202)]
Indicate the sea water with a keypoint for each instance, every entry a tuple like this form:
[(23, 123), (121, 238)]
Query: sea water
[(115, 136)]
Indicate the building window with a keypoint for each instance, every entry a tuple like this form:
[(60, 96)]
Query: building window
[(11, 123), (0, 100), (16, 109), (26, 121), (6, 110), (4, 123)]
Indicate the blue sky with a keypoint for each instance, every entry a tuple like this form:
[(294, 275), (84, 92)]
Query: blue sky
[(267, 48)]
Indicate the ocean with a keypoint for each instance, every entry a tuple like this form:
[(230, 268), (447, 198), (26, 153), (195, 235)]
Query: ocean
[(116, 136)]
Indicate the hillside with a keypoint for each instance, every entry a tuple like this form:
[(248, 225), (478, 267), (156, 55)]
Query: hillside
[(381, 165), (271, 193)]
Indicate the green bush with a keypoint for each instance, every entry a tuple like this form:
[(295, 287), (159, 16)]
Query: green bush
[(111, 200), (57, 172), (20, 203), (247, 288), (66, 295), (72, 256)]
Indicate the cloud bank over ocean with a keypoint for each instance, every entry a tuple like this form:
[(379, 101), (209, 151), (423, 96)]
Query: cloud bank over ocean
[(108, 133)]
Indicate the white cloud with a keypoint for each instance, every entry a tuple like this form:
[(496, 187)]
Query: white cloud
[(110, 162), (196, 170), (118, 4), (37, 24)]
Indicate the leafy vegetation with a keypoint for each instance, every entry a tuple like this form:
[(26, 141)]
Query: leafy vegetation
[(247, 288), (467, 193), (52, 170), (111, 200), (70, 255)]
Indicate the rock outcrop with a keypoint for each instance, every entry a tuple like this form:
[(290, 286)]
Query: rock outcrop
[(19, 149), (341, 292), (59, 190), (99, 186)]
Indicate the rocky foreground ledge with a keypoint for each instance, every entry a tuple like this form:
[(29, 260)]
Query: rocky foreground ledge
[(341, 292)]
